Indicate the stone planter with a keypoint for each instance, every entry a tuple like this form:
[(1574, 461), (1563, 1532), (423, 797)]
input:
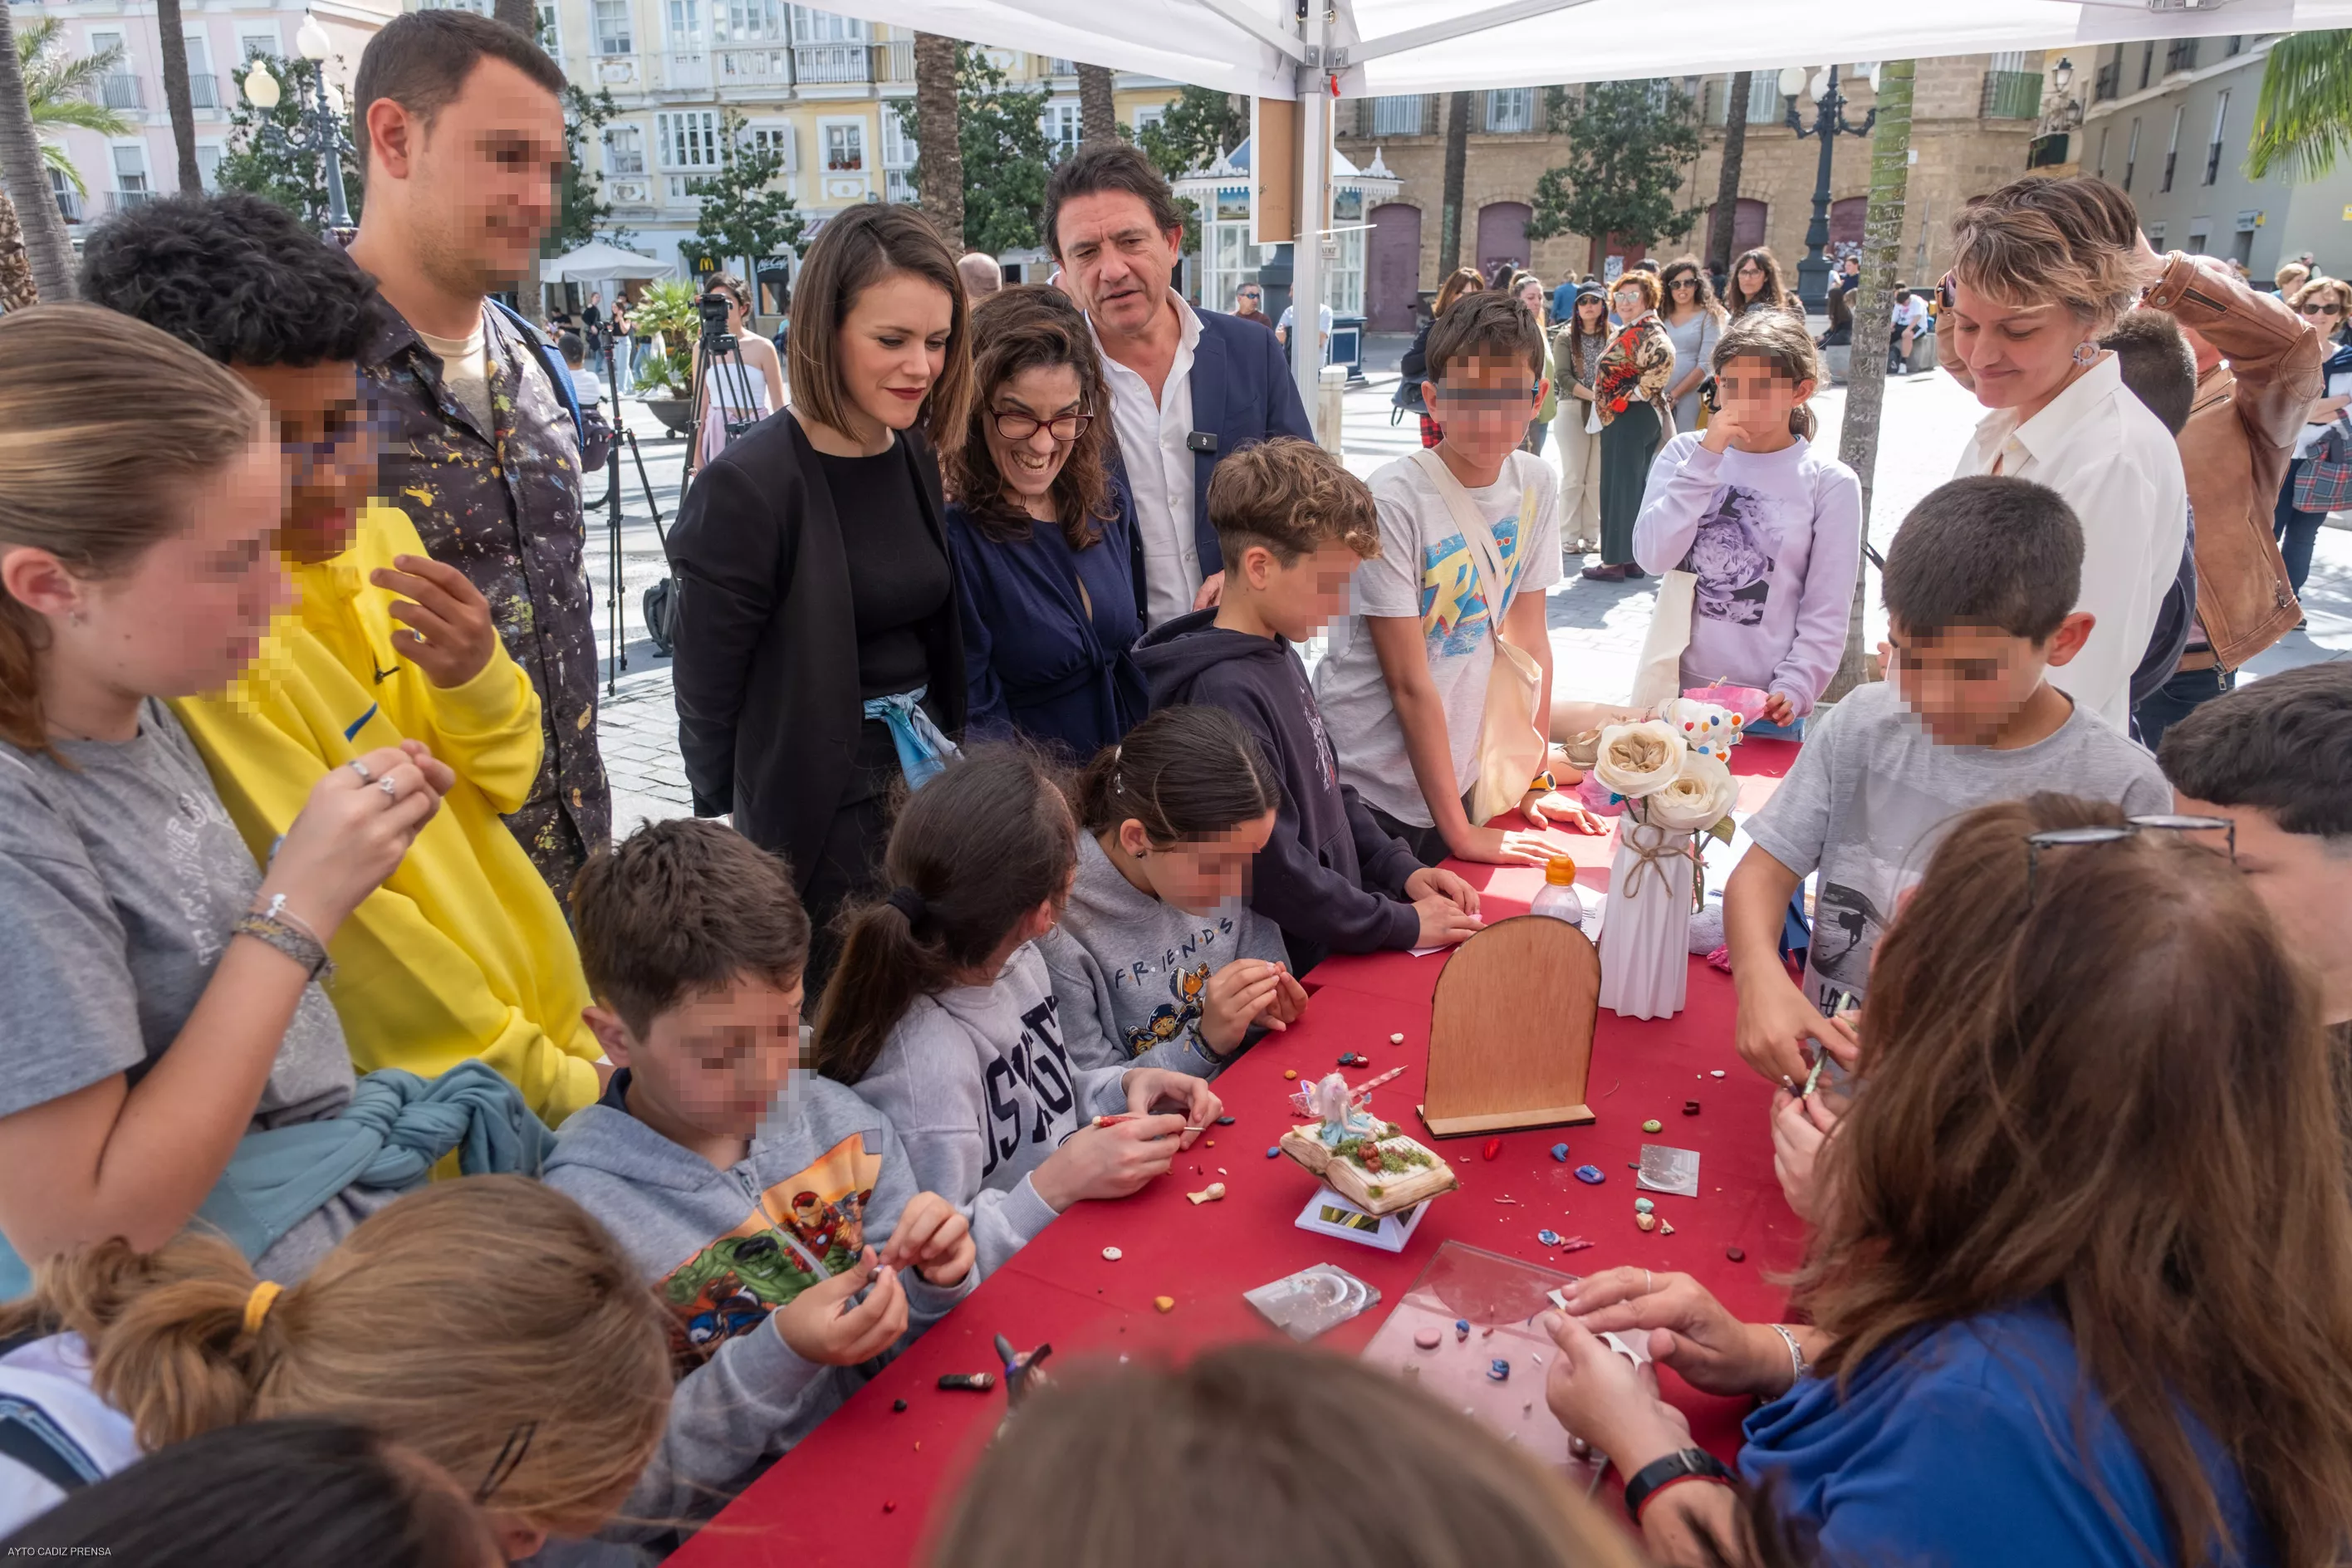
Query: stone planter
[(677, 414)]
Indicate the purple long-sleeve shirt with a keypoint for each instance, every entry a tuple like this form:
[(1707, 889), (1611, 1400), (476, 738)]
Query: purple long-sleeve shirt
[(1775, 540)]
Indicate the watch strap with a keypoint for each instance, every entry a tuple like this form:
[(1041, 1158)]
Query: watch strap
[(1684, 1464)]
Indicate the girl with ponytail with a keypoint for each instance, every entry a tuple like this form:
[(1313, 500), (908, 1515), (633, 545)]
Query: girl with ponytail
[(1159, 939), (942, 1016), (489, 1325), (1772, 527)]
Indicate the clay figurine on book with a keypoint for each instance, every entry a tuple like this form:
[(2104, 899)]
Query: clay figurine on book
[(1369, 1162)]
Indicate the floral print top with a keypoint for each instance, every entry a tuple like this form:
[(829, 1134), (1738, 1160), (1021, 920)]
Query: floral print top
[(1635, 367)]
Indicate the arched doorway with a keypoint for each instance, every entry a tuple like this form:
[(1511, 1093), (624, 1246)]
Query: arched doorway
[(1503, 234), (1392, 280), (1845, 225), (1747, 220)]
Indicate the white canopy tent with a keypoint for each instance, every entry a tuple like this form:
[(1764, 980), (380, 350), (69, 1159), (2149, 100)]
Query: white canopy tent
[(1311, 51), (598, 262)]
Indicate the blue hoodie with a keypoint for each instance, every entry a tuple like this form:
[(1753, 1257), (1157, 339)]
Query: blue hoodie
[(1328, 876)]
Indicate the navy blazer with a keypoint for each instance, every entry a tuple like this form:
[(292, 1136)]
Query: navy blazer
[(1242, 392)]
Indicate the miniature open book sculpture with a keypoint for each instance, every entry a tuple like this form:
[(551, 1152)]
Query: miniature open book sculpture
[(1369, 1162)]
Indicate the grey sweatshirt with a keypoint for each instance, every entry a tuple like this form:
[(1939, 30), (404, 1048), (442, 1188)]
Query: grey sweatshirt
[(980, 1084), (1131, 971), (825, 1176)]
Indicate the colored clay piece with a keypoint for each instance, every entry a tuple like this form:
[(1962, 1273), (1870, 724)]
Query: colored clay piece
[(1487, 1333), (1209, 1193), (1461, 1329), (1494, 1147), (1652, 1125), (1112, 1254), (1426, 1339), (1734, 1254), (1666, 1227), (1290, 1072), (1272, 1151), (1717, 1073), (1559, 1152), (1165, 1303), (1211, 1142), (1591, 1175), (1574, 1244), (889, 1507), (1224, 1121), (1690, 1107), (1646, 1221), (1548, 1238), (967, 1382), (1644, 1206), (898, 1406), (1396, 1039), (1499, 1370)]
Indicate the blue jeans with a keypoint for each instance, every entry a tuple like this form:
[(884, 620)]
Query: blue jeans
[(2172, 701), (2297, 530)]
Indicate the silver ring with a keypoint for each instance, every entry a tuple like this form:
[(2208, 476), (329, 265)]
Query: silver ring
[(361, 768), (390, 790)]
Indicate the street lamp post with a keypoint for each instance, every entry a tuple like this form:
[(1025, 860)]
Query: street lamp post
[(319, 130), (1829, 124)]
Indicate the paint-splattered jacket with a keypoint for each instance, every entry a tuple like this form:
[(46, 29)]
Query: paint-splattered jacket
[(503, 507)]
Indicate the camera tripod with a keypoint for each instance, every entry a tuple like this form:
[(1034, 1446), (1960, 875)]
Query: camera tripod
[(616, 657)]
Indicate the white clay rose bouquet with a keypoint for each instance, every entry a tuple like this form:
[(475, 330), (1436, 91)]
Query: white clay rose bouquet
[(1650, 772)]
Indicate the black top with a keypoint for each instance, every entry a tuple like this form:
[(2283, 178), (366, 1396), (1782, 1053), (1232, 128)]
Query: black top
[(898, 574)]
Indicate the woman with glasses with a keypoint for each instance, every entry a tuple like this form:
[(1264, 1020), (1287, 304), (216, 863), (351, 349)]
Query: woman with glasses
[(1530, 293), (1043, 535), (1756, 283), (2324, 302), (1629, 391), (1693, 321)]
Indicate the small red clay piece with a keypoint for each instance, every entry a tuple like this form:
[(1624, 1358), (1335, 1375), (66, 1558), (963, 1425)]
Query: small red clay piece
[(1734, 1254), (1494, 1147)]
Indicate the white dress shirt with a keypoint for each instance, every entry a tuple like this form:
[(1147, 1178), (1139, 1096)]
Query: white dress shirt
[(1151, 440), (2097, 446)]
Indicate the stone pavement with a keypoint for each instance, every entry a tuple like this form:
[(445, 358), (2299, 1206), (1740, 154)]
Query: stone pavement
[(1596, 627)]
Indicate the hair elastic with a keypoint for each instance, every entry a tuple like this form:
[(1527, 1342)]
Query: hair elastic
[(258, 1301), (908, 902)]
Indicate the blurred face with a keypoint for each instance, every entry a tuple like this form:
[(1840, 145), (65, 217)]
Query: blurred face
[(1750, 277), (329, 444), (1197, 875), (1033, 419), (1302, 598), (2295, 873), (1115, 264), (2017, 357), (1531, 295), (736, 314), (1758, 394), (1965, 684), (893, 345), (1485, 405), (476, 187), (714, 1063)]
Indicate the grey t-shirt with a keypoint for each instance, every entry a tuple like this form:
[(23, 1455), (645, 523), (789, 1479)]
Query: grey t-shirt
[(1871, 796), (119, 878)]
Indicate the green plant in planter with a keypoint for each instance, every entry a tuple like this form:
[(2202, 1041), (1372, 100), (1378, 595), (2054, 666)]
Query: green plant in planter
[(666, 375)]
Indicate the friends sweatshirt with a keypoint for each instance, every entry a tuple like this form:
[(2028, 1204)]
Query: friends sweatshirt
[(1775, 540), (1131, 971), (1328, 877), (824, 1177), (981, 1085)]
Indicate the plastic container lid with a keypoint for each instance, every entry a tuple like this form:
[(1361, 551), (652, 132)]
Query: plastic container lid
[(1560, 871)]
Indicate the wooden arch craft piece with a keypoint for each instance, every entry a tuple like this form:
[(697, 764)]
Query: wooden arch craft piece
[(1510, 1029)]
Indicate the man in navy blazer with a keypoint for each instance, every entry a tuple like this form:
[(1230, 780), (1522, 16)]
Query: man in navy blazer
[(1187, 387)]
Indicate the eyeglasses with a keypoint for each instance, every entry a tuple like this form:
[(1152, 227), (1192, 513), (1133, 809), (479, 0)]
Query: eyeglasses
[(1016, 426), (2316, 309), (2074, 837)]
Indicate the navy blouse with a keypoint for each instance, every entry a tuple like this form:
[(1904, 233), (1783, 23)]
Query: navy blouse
[(1036, 661)]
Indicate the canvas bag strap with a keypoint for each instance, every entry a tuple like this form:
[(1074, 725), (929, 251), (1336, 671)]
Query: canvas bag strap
[(1485, 559)]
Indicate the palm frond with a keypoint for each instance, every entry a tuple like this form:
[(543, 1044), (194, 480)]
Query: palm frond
[(84, 114), (51, 75), (2303, 115), (56, 158)]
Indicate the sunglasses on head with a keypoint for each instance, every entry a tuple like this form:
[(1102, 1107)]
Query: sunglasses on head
[(2071, 837)]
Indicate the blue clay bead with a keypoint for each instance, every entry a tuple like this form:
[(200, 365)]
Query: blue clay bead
[(1591, 1175), (1559, 1152), (1499, 1370), (1548, 1237), (1643, 1205), (1270, 1151)]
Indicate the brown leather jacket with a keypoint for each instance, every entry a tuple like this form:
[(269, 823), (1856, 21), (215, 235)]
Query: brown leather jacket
[(2235, 449)]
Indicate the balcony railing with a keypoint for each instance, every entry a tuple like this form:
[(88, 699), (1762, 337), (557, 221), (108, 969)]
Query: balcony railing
[(70, 206), (2180, 55), (122, 90), (687, 68), (2011, 95), (203, 90), (1400, 115), (127, 201), (767, 66), (2108, 83), (898, 186), (832, 63), (895, 60), (1056, 66)]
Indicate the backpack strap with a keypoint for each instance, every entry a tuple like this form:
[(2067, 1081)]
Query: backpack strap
[(552, 363), (31, 1437)]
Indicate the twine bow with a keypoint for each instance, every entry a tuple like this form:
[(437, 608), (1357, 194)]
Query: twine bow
[(1652, 857)]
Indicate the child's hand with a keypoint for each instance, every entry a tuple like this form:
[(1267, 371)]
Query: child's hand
[(1801, 1126), (1776, 1020), (1106, 1161), (1443, 923), (822, 1326), (1290, 1002), (1436, 882), (1238, 995), (1779, 709), (1722, 424), (1149, 1090), (1506, 847), (1552, 808), (451, 637), (933, 1236), (1602, 1397)]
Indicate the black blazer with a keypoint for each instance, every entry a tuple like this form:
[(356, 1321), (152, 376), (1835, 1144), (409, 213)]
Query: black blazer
[(769, 707), (1242, 392)]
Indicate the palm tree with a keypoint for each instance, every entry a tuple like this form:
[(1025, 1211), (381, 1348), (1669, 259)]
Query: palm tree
[(27, 179), (16, 288), (60, 90), (175, 94), (1457, 162), (1721, 223), (1098, 120), (2302, 116), (939, 135)]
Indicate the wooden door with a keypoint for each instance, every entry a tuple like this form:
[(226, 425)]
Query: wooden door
[(1392, 280)]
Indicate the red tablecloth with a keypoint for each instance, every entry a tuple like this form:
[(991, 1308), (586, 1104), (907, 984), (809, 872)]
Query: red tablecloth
[(861, 1488)]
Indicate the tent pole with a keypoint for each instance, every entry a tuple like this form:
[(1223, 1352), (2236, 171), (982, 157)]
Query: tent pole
[(1308, 284)]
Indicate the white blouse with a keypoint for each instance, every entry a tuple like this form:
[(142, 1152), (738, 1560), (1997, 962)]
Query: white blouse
[(2115, 464)]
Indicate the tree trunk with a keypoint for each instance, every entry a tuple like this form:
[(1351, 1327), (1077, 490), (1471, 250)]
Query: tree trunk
[(1457, 155), (1721, 224), (174, 42), (523, 16), (27, 179), (939, 150), (1873, 305), (1098, 120), (16, 289)]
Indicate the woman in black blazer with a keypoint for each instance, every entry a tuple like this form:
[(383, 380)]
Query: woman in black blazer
[(820, 653)]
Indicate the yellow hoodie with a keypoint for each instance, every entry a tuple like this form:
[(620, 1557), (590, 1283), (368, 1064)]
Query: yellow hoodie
[(463, 951)]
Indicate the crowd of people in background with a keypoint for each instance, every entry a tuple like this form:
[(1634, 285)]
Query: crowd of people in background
[(1011, 779)]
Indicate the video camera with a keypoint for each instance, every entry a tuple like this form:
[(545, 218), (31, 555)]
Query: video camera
[(712, 306)]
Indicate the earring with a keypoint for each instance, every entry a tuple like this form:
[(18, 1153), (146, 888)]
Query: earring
[(1138, 854), (76, 617), (2086, 353)]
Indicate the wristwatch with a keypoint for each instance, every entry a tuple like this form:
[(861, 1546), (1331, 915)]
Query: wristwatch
[(1687, 1463)]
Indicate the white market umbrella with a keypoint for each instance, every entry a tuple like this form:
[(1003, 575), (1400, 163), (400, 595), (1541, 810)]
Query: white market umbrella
[(598, 262)]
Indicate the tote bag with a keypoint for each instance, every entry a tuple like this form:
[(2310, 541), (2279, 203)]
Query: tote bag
[(1657, 677), (1511, 744)]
